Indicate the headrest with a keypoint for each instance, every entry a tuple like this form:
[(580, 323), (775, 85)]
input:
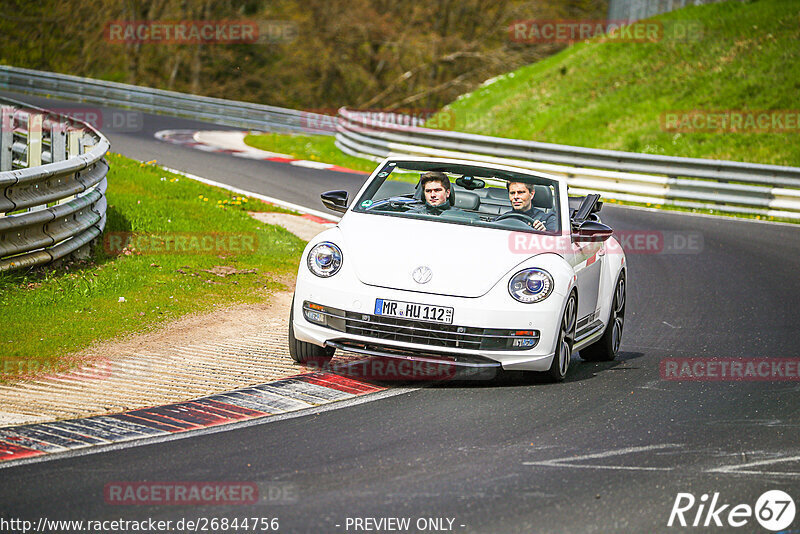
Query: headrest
[(497, 193), (466, 200), (542, 197)]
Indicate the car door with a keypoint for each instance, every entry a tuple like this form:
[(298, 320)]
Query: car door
[(588, 272), (587, 261), (588, 258)]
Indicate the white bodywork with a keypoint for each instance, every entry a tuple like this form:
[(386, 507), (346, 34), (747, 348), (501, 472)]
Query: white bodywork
[(471, 270)]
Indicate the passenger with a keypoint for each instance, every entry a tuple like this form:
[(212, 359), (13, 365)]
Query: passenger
[(436, 193), (521, 196)]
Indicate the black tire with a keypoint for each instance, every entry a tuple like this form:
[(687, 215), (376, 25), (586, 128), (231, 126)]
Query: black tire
[(303, 352), (566, 340), (606, 348)]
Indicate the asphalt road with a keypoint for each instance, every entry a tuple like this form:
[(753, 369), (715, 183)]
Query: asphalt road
[(606, 451), (131, 134)]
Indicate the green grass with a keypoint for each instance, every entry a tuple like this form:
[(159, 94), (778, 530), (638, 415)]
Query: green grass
[(612, 95), (49, 313), (310, 147)]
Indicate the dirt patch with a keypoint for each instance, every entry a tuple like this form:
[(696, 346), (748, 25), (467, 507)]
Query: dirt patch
[(227, 270), (197, 355)]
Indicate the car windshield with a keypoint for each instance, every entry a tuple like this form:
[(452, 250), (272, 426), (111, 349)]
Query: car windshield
[(463, 194)]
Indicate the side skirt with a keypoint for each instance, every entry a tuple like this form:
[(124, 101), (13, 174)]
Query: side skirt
[(588, 334)]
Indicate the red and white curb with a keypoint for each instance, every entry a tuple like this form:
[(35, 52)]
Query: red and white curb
[(251, 403), (232, 142)]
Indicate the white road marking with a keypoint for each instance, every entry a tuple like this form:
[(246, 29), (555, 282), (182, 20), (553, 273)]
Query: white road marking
[(271, 200), (311, 164), (739, 469), (653, 384), (561, 462)]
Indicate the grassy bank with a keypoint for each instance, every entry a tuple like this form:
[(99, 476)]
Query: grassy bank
[(616, 95), (172, 246), (636, 96), (309, 147)]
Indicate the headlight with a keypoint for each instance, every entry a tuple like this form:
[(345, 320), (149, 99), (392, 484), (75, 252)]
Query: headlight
[(325, 259), (531, 285)]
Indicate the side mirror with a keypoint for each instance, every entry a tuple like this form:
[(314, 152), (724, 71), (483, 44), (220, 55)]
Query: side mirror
[(335, 200), (591, 231)]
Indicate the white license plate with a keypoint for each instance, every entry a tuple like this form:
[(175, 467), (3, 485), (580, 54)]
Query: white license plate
[(411, 310)]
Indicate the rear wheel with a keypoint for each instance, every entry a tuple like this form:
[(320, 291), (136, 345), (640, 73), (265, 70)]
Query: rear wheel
[(606, 348), (303, 352), (566, 340)]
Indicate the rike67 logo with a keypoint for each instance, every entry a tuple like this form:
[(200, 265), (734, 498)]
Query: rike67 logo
[(774, 510)]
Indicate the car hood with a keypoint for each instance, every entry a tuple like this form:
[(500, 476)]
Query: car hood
[(465, 261)]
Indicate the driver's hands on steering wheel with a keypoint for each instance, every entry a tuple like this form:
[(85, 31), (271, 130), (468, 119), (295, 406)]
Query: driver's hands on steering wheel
[(524, 217)]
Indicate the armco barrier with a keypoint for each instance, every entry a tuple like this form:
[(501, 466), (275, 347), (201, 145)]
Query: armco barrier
[(52, 185), (726, 186), (202, 108)]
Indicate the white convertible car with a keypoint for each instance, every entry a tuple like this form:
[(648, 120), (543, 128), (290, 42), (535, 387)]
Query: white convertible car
[(472, 264)]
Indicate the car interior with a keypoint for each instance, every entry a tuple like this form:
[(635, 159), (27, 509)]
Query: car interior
[(486, 199)]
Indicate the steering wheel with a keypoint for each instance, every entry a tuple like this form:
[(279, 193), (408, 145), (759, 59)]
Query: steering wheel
[(399, 203), (527, 219)]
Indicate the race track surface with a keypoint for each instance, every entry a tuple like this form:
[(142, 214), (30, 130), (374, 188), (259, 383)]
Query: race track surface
[(606, 451)]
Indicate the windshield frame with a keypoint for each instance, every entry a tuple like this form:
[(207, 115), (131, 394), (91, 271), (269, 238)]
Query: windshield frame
[(458, 168)]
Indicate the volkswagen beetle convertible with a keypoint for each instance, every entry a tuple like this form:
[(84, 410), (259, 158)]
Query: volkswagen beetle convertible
[(474, 282)]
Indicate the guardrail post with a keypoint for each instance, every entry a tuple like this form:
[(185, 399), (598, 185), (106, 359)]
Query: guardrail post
[(6, 137), (58, 141), (34, 158), (58, 149), (74, 147)]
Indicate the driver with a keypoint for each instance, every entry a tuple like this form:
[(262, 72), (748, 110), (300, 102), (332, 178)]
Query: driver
[(436, 192), (521, 196)]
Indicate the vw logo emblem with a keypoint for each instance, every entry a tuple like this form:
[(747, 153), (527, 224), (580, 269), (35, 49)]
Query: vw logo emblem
[(422, 274)]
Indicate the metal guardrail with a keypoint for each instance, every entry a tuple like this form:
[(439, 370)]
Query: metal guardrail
[(202, 108), (727, 186), (52, 186)]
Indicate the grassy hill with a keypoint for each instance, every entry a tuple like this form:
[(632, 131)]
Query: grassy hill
[(613, 94)]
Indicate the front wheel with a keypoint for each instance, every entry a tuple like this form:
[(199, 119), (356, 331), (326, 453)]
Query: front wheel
[(303, 352), (566, 340), (606, 348)]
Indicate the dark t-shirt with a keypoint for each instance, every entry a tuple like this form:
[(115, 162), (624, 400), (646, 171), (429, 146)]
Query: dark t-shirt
[(549, 219)]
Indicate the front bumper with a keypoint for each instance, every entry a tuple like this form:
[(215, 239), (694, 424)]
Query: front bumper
[(485, 323)]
